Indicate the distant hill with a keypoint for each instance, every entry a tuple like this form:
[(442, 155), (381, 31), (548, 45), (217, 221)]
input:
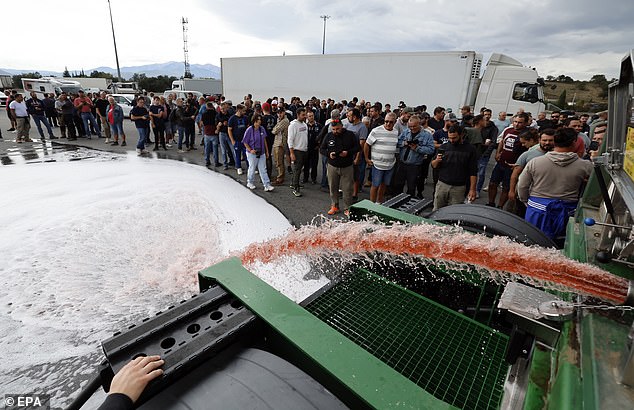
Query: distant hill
[(170, 68), (581, 96)]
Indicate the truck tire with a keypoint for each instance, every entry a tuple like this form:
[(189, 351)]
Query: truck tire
[(492, 222)]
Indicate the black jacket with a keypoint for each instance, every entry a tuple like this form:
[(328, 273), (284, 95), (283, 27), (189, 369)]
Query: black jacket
[(346, 141)]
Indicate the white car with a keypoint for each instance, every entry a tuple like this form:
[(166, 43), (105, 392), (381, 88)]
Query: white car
[(126, 101)]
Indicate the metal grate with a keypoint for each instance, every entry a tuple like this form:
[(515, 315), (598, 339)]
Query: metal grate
[(458, 360)]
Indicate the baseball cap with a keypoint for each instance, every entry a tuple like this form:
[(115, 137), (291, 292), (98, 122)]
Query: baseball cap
[(450, 117), (274, 102), (408, 109), (266, 106)]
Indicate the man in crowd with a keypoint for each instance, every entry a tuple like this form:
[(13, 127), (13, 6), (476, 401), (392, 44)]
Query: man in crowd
[(360, 131), (340, 146), (210, 137), (297, 147), (49, 109), (534, 149), (502, 122), (101, 105), (508, 150), (35, 108), (457, 165), (222, 121), (550, 185), (84, 105), (141, 118), (403, 120), (65, 110), (280, 144), (312, 155), (20, 113), (237, 126), (415, 144), (437, 122), (268, 122), (10, 98), (379, 151)]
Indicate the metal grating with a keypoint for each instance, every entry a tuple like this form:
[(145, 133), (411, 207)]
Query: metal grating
[(458, 360)]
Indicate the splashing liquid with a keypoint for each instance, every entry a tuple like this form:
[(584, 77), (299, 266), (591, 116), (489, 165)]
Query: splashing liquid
[(447, 247)]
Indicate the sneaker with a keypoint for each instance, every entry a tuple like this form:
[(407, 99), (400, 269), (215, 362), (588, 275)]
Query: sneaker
[(194, 148), (115, 143), (239, 171), (11, 129), (123, 144), (106, 141), (28, 140), (333, 210), (269, 188), (207, 164), (257, 172), (168, 145), (297, 193), (181, 151), (138, 151), (53, 137), (486, 188), (250, 186), (225, 167), (347, 213)]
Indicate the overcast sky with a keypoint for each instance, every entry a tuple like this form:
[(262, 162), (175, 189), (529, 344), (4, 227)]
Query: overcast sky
[(579, 38)]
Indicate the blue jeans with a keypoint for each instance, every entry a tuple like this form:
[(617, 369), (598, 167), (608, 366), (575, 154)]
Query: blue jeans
[(181, 135), (240, 152), (89, 119), (225, 148), (39, 119), (324, 173), (211, 143), (482, 169), (143, 133), (260, 165)]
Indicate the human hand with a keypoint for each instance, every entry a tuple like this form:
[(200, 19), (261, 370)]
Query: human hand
[(344, 153), (134, 376), (512, 196), (292, 157), (472, 195)]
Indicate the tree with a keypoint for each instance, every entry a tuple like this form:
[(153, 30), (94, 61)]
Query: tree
[(565, 79), (550, 78), (66, 73), (101, 74), (17, 79), (561, 101)]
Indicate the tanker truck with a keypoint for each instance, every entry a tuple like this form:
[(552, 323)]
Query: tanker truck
[(449, 79), (424, 317)]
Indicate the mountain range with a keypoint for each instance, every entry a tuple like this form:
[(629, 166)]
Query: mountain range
[(170, 68)]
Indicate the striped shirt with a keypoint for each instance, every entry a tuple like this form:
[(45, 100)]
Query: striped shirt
[(383, 143)]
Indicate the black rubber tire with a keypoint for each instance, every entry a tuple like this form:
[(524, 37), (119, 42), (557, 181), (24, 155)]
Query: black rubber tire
[(493, 222)]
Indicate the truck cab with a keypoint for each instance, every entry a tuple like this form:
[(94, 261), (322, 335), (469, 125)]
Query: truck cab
[(508, 86)]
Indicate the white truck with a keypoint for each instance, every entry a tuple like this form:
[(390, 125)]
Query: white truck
[(91, 84), (449, 79), (48, 85), (207, 86)]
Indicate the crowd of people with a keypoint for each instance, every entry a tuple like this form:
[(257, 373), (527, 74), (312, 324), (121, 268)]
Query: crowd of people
[(357, 143)]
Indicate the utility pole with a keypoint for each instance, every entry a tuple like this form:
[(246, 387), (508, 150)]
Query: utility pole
[(323, 45), (114, 40), (188, 73)]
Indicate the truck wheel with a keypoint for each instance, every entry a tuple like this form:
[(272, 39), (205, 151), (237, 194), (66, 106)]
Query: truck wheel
[(492, 222)]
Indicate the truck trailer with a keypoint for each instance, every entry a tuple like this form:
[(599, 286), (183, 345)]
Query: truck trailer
[(207, 86), (449, 79)]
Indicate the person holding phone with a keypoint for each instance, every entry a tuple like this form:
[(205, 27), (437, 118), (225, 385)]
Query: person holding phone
[(456, 163)]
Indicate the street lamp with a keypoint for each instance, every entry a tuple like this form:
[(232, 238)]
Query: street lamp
[(114, 40), (323, 46)]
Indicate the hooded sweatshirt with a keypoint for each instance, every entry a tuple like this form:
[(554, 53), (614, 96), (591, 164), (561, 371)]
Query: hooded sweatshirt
[(556, 175)]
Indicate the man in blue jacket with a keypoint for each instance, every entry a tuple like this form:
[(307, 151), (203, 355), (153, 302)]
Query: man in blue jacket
[(414, 145)]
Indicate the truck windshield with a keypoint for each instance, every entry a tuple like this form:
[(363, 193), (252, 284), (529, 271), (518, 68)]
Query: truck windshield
[(526, 92)]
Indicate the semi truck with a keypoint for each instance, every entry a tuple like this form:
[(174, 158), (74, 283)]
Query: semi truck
[(207, 86), (449, 79)]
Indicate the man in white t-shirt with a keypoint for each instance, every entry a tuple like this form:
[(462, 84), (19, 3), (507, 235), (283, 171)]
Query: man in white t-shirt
[(380, 153), (19, 111)]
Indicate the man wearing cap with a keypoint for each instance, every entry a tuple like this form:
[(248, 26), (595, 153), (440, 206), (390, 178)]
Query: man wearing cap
[(403, 119), (340, 147), (222, 121), (84, 105), (298, 146)]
